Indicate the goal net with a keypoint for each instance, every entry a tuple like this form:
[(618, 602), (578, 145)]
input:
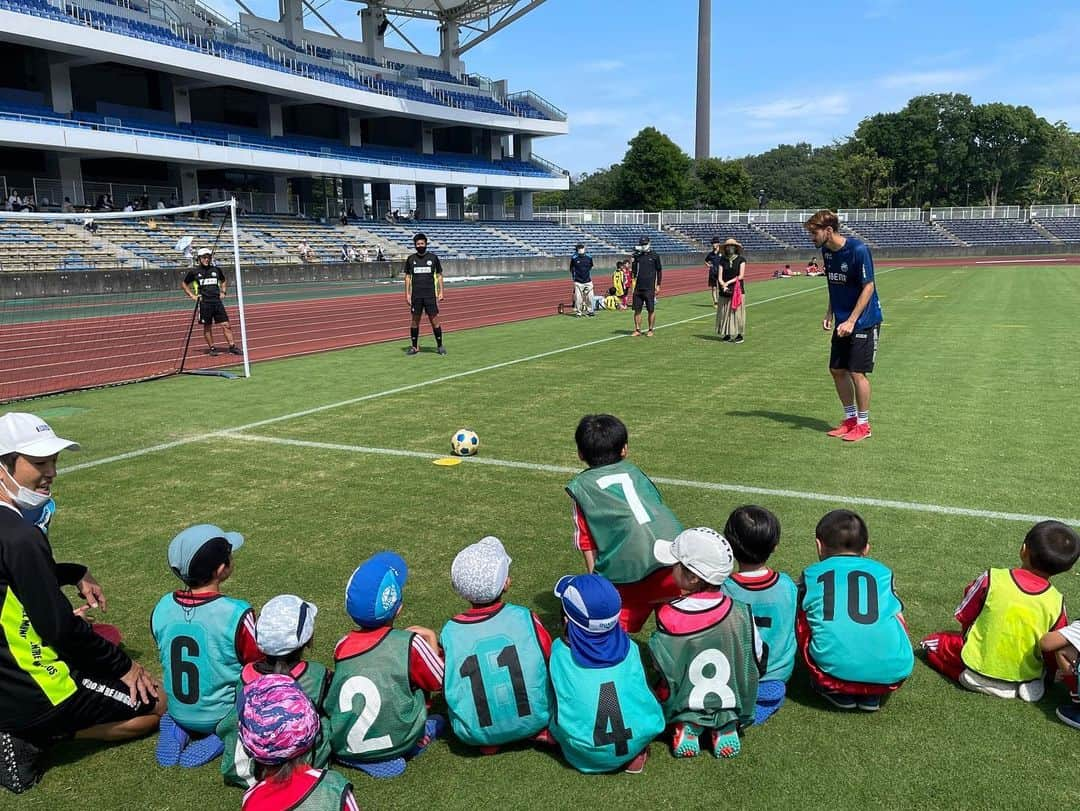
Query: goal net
[(94, 298)]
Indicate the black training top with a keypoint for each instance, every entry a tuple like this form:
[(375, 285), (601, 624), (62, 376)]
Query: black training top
[(423, 267), (646, 272), (712, 259), (208, 281), (41, 641)]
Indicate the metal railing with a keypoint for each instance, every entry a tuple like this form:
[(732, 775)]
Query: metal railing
[(253, 202), (976, 213), (554, 168), (879, 214), (1055, 211), (539, 102), (799, 215), (600, 217), (720, 216)]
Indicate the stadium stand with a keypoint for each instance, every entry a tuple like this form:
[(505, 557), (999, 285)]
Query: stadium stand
[(1067, 229), (551, 238), (899, 233), (625, 238), (748, 236), (993, 232), (788, 234), (30, 245)]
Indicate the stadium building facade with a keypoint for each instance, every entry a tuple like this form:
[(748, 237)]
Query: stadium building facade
[(168, 99)]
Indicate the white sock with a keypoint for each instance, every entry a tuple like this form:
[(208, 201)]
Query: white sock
[(863, 417), (849, 412)]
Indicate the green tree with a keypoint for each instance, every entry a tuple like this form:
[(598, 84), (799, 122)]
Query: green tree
[(799, 174), (722, 185), (655, 173), (867, 177), (1010, 144)]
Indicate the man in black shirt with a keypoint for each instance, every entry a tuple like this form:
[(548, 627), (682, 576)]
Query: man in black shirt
[(645, 276), (712, 264), (209, 289), (423, 291), (581, 266), (58, 679)]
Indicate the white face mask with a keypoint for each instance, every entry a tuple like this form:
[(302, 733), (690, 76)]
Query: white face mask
[(24, 498)]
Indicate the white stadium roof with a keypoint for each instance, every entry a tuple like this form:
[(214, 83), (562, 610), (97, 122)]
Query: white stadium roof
[(478, 19)]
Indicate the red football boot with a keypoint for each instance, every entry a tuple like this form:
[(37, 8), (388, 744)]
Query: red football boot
[(844, 427)]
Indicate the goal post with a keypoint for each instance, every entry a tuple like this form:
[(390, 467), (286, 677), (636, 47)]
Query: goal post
[(94, 298)]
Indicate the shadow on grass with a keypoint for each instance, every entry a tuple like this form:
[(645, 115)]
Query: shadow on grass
[(710, 336), (549, 609), (795, 421)]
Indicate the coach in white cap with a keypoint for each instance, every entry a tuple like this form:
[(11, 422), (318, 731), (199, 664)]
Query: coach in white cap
[(58, 679)]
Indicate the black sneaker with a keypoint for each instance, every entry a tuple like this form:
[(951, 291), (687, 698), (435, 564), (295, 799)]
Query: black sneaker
[(212, 352), (412, 350), (235, 350), (739, 339), (20, 763), (441, 350), (726, 338)]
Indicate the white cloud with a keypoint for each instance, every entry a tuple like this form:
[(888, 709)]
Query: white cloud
[(932, 79), (598, 117), (808, 107)]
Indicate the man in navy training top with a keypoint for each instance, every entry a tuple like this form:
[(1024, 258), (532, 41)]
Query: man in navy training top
[(423, 291), (856, 312), (581, 265)]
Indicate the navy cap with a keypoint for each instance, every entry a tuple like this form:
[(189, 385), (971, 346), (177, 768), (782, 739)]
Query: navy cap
[(185, 546), (374, 592)]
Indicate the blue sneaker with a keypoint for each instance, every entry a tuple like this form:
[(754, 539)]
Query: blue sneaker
[(171, 741), (1069, 714), (200, 752), (770, 699), (841, 701), (380, 770), (435, 727), (869, 703)]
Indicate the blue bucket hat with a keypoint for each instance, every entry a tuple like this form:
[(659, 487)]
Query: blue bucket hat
[(374, 592), (592, 607), (186, 545)]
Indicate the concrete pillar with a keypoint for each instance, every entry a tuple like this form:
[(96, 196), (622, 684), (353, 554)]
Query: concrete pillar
[(281, 195), (455, 202), (275, 126), (69, 167), (427, 140), (523, 144), (181, 105), (354, 194), (492, 203), (523, 204), (491, 146), (380, 199), (60, 87), (292, 17), (354, 129), (370, 22), (189, 184), (425, 201), (449, 41)]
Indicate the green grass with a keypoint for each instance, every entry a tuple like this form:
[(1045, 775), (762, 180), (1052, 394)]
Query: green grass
[(973, 407)]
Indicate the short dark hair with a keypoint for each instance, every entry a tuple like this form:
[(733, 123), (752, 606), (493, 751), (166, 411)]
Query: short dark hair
[(419, 236), (1053, 547), (8, 461), (753, 533), (600, 439), (843, 531), (205, 563)]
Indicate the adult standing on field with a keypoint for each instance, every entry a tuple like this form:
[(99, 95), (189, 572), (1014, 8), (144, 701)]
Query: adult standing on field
[(645, 276), (731, 317), (855, 311), (581, 265), (58, 679), (423, 291), (206, 284), (712, 266)]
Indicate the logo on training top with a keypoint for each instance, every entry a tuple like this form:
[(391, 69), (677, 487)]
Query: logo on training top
[(843, 267)]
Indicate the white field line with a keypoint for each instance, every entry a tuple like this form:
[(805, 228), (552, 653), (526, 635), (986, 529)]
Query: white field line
[(120, 457), (911, 506), (1017, 261)]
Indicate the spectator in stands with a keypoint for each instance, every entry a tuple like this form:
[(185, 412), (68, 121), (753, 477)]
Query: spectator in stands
[(27, 203), (161, 203), (14, 201), (129, 207), (109, 204), (90, 226), (66, 207), (350, 213), (380, 257), (364, 255), (348, 253), (344, 219), (303, 250), (58, 679)]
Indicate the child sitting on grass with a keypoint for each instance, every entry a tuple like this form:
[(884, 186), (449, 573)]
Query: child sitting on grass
[(705, 648), (602, 712), (383, 677), (754, 534), (618, 517), (204, 639), (284, 630), (496, 655), (850, 626), (278, 727), (1004, 615), (1064, 645)]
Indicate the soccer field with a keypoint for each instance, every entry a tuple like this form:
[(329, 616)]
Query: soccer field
[(322, 460)]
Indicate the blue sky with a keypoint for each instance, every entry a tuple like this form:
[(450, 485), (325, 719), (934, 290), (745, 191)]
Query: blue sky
[(782, 72)]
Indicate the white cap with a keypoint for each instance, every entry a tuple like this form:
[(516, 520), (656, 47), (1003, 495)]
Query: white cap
[(703, 551), (285, 624), (205, 252), (479, 571), (29, 435)]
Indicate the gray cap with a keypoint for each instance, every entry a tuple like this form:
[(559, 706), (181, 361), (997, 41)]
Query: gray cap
[(702, 550), (186, 545), (286, 623), (480, 570)]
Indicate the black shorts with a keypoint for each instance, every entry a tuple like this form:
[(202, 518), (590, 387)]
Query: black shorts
[(646, 299), (857, 352), (96, 701), (424, 304), (212, 311), (713, 277)]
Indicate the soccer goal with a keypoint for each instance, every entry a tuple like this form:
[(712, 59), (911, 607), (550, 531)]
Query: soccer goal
[(95, 298)]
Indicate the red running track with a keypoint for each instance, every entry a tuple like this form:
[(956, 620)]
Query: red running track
[(50, 356)]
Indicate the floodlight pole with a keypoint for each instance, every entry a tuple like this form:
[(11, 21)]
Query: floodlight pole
[(704, 70)]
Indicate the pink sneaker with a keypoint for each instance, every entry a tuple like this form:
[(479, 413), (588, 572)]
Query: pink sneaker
[(858, 433), (844, 427)]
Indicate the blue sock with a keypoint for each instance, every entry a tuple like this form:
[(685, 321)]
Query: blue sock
[(770, 699)]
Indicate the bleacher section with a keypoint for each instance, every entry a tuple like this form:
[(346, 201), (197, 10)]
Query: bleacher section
[(307, 62), (551, 238), (625, 237), (1067, 229), (28, 245), (748, 236), (789, 234), (899, 233), (224, 136), (993, 232)]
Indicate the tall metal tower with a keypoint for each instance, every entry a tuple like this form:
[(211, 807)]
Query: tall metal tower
[(704, 71)]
